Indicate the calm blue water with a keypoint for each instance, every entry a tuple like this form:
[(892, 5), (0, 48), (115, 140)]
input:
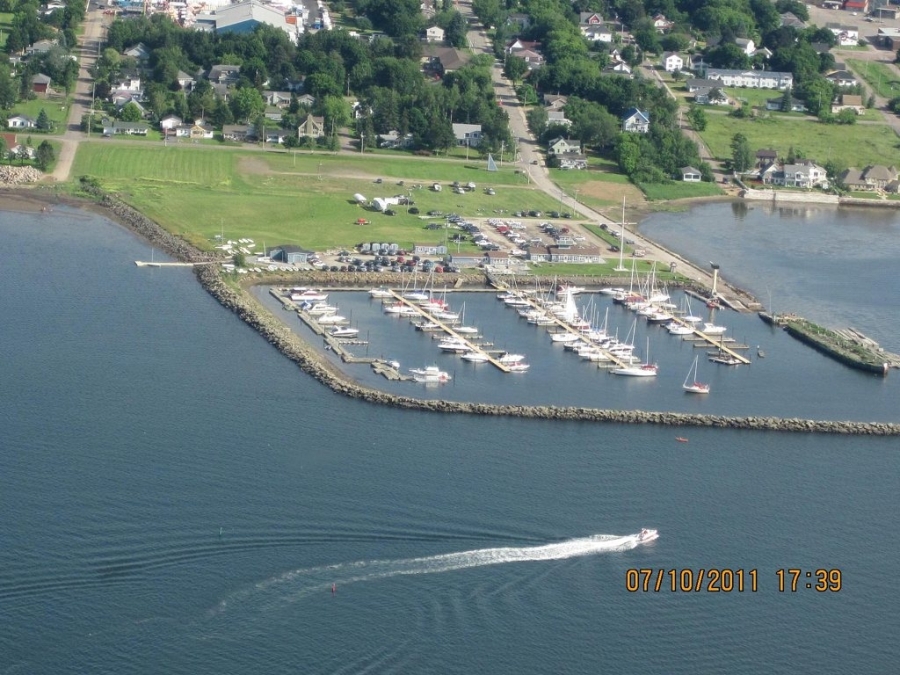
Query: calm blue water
[(178, 498)]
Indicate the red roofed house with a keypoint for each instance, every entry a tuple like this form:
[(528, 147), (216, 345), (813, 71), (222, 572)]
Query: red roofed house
[(856, 6)]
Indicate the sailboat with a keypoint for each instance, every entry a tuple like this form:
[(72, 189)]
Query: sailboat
[(645, 369), (691, 385), (463, 329)]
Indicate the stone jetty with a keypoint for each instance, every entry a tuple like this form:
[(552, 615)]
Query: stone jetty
[(245, 306)]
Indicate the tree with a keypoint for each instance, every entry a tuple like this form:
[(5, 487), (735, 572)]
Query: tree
[(455, 34), (514, 68), (537, 120), (697, 118), (741, 154), (131, 113), (787, 99), (44, 156), (3, 148), (247, 103), (43, 121)]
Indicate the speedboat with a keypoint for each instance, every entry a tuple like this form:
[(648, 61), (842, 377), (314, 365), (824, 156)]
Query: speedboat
[(564, 337), (429, 375), (475, 357), (507, 358), (321, 308), (331, 319), (344, 332), (612, 291), (712, 329), (518, 367), (645, 535), (453, 345), (380, 293), (675, 328), (308, 295)]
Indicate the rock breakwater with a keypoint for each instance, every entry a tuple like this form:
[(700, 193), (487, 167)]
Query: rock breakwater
[(16, 175), (237, 300)]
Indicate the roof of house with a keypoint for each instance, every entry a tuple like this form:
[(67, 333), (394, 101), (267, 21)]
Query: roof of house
[(636, 112), (449, 57), (840, 75), (766, 153), (40, 78), (851, 99), (879, 172), (689, 169), (251, 10)]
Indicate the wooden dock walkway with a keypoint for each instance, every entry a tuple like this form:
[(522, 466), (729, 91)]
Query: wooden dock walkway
[(448, 329)]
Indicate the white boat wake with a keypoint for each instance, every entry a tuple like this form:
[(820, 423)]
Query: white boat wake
[(322, 578)]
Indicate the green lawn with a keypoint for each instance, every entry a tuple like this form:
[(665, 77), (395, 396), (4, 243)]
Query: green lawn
[(679, 190), (606, 269), (57, 110), (882, 79), (276, 198), (857, 145), (5, 26)]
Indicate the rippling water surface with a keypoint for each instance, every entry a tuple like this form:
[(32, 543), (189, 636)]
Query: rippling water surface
[(177, 497)]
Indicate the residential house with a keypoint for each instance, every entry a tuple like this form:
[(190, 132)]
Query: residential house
[(273, 114), (224, 74), (672, 62), (589, 19), (558, 117), (555, 101), (15, 149), (130, 84), (796, 105), (842, 78), (532, 58), (185, 81), (434, 34), (754, 79), (563, 146), (467, 134), (572, 161), (442, 60), (222, 91), (199, 130), (745, 45), (804, 174), (690, 175), (20, 122), (791, 20), (40, 84), (763, 52), (393, 140), (277, 99), (852, 102), (117, 128), (601, 33), (519, 44), (238, 132), (636, 121), (309, 100), (694, 85), (312, 127), (170, 122), (847, 36), (121, 100), (873, 178), (662, 24), (274, 135), (618, 68), (712, 96), (139, 52), (40, 47), (765, 157)]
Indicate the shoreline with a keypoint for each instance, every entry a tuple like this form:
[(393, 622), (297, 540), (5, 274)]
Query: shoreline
[(235, 298)]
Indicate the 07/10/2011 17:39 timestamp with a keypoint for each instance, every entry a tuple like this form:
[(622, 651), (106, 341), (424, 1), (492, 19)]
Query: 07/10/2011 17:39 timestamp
[(728, 580)]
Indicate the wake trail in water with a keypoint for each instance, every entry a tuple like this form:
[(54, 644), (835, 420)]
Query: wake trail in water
[(305, 581)]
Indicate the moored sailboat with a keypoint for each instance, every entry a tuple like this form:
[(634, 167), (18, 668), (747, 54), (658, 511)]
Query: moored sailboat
[(691, 384)]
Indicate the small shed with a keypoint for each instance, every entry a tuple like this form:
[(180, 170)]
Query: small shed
[(40, 84), (690, 175), (288, 253)]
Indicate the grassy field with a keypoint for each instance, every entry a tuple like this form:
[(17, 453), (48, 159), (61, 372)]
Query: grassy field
[(882, 79), (679, 190), (606, 269), (57, 110), (280, 199), (5, 26), (858, 145)]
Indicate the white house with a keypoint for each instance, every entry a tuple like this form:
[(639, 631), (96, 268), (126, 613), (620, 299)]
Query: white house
[(563, 146), (690, 175), (753, 79), (558, 117), (21, 122), (434, 34), (170, 122), (672, 62), (467, 134), (661, 23), (636, 121), (746, 45)]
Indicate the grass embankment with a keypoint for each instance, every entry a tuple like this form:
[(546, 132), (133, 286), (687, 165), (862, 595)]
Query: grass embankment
[(302, 199), (858, 145), (883, 80)]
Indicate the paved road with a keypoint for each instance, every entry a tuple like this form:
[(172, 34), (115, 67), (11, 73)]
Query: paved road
[(88, 49)]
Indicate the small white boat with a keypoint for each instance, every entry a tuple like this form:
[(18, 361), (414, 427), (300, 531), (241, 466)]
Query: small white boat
[(429, 375), (675, 328), (453, 345), (308, 295), (381, 292), (466, 330), (445, 315), (344, 332), (725, 359), (645, 369), (613, 291), (417, 296), (564, 337), (321, 308), (691, 385), (712, 329), (516, 301), (518, 367), (331, 319), (645, 536), (507, 358), (400, 309), (427, 326), (475, 357)]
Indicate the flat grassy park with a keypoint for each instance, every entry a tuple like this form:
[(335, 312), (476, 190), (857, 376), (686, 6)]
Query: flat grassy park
[(857, 145), (297, 198)]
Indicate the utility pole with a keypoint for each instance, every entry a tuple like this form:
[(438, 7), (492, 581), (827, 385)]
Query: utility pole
[(362, 141), (502, 146)]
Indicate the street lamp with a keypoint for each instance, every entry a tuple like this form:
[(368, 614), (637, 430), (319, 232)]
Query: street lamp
[(362, 142), (715, 269)]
